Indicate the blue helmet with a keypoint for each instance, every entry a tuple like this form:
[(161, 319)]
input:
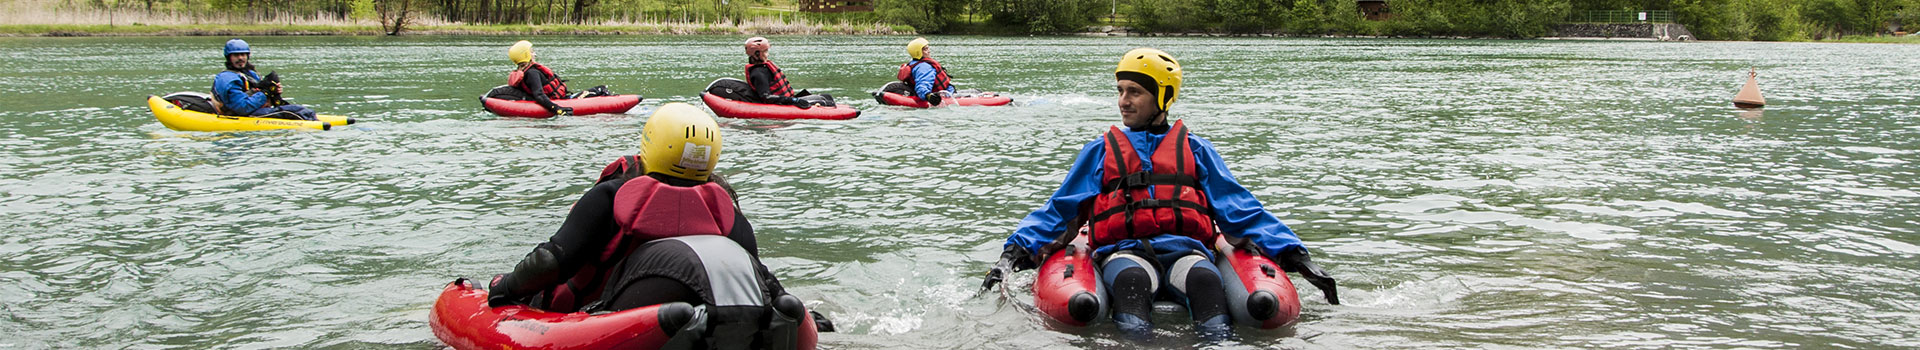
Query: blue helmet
[(238, 46)]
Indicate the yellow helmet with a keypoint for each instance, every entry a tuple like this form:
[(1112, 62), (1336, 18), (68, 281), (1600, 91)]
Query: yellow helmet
[(916, 47), (681, 141), (521, 53), (1157, 65)]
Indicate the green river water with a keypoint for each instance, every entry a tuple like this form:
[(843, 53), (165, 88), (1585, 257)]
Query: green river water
[(1467, 194)]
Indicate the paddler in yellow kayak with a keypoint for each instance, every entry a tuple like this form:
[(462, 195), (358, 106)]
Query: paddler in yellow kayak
[(240, 91)]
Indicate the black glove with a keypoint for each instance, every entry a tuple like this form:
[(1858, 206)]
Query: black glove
[(563, 111), (539, 270), (1013, 259), (933, 98), (803, 104), (498, 295), (1295, 259)]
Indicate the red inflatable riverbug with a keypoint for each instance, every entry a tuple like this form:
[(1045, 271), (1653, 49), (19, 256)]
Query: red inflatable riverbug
[(461, 318), (748, 110), (888, 97), (1068, 289), (581, 106)]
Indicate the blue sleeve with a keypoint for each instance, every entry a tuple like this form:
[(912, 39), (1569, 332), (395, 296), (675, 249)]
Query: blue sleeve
[(1235, 212), (233, 96), (1082, 184), (923, 77)]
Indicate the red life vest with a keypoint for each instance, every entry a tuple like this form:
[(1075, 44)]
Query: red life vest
[(1135, 204), (555, 89), (940, 80), (779, 79), (645, 210)]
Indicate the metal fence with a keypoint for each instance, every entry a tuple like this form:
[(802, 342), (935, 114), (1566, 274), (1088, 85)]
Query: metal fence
[(1625, 17)]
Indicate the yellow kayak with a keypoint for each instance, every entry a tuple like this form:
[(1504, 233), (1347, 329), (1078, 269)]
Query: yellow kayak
[(184, 120)]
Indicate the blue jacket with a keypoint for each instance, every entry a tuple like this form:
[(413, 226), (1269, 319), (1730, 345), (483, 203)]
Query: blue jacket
[(923, 78), (230, 88), (1235, 212)]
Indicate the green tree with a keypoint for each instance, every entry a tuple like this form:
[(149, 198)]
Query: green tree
[(1305, 17), (926, 16)]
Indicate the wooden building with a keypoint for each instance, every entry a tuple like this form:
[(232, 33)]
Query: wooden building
[(1375, 10), (836, 5)]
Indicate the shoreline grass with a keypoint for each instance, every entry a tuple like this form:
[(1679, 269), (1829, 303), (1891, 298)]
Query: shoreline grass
[(1875, 39)]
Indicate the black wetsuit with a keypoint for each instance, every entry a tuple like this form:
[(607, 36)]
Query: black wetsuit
[(583, 237), (761, 79), (531, 83)]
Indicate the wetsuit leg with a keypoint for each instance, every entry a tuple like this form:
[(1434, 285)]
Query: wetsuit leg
[(657, 290), (293, 112), (717, 271), (1131, 284), (1196, 282)]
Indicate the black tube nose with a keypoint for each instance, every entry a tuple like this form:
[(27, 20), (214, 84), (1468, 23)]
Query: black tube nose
[(674, 316), (1262, 305), (1083, 307), (790, 306)]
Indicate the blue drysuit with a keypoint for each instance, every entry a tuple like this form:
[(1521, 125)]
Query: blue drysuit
[(232, 89), (924, 77), (1235, 212)]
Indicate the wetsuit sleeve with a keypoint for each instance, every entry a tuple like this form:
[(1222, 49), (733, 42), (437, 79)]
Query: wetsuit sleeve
[(588, 228), (923, 79), (1236, 212), (761, 79), (234, 97), (742, 233), (532, 83), (1045, 225)]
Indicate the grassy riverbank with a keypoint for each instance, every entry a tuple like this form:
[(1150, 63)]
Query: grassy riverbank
[(750, 27), (1881, 39)]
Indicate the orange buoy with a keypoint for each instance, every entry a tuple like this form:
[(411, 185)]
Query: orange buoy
[(1749, 96)]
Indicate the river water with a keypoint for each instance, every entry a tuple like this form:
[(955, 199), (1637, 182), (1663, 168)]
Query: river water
[(1467, 194)]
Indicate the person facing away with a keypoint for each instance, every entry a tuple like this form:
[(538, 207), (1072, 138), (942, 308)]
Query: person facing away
[(769, 84), (1153, 198), (539, 84), (240, 91), (925, 76), (658, 228)]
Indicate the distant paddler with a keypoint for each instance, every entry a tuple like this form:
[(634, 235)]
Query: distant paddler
[(770, 84), (924, 76), (537, 83), (1749, 96), (240, 91), (923, 83)]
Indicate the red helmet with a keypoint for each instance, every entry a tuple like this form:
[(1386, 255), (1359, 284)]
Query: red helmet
[(757, 45)]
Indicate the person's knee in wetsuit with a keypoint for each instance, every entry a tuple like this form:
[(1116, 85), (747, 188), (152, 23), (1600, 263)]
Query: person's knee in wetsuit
[(1134, 282)]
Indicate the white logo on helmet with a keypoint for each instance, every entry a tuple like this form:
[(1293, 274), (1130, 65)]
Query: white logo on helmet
[(696, 157)]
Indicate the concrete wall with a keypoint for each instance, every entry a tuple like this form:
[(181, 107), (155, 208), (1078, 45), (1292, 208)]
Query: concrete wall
[(1652, 31)]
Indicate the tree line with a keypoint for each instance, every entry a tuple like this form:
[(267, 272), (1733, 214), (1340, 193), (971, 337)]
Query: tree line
[(1707, 19), (392, 12)]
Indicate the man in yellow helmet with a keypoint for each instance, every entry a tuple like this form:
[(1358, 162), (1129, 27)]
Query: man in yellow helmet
[(533, 81), (926, 79), (1153, 197), (657, 228)]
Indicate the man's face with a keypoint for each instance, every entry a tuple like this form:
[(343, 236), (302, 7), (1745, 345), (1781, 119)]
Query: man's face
[(1138, 109), (238, 60), (926, 52)]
